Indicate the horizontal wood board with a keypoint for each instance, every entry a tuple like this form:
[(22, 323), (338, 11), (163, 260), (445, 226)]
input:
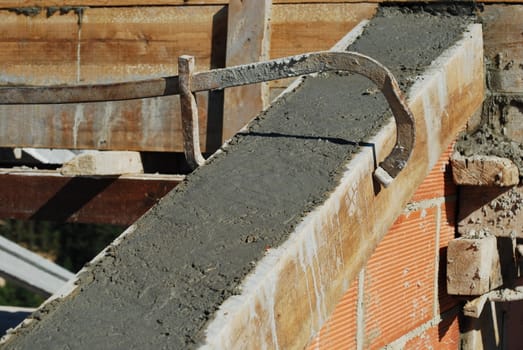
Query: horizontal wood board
[(121, 44)]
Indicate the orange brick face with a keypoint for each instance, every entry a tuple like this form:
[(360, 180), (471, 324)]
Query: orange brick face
[(439, 182), (340, 330), (444, 336), (399, 289), (400, 278)]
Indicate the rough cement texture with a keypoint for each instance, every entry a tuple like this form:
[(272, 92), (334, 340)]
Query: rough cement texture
[(488, 140), (160, 286), (497, 210)]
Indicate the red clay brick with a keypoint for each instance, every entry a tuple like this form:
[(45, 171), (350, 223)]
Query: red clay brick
[(399, 288), (444, 336), (439, 181), (339, 332)]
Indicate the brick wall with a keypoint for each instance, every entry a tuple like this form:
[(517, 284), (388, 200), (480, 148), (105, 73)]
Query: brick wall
[(503, 40), (399, 298)]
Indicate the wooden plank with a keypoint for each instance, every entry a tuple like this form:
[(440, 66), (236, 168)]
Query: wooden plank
[(355, 212), (47, 195), (38, 50), (134, 43), (115, 45), (137, 125), (108, 3), (301, 28), (138, 43), (482, 170), (109, 44), (248, 36)]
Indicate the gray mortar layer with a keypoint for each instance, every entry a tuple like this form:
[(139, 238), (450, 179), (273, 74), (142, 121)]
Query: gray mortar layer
[(162, 284)]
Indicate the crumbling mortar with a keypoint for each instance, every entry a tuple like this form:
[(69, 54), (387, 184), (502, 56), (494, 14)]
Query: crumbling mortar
[(26, 11), (77, 10), (50, 11)]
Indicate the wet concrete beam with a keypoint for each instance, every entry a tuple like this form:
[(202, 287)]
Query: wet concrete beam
[(347, 227)]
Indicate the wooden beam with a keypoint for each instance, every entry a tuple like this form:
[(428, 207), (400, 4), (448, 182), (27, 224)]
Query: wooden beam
[(116, 44), (480, 170), (113, 3), (47, 195), (353, 220), (109, 45), (248, 35)]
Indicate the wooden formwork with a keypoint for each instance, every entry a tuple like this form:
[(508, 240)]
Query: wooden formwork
[(124, 41), (112, 43)]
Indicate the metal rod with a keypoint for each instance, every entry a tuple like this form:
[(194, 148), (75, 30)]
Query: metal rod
[(237, 76)]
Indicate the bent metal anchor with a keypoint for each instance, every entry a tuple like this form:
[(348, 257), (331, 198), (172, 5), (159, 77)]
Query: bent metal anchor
[(188, 82)]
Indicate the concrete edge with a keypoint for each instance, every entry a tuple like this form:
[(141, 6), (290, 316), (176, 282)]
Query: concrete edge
[(329, 247)]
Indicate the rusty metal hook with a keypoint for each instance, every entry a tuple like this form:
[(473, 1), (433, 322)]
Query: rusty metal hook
[(291, 67)]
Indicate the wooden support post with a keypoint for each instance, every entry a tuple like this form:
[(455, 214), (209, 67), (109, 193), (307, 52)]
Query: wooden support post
[(248, 39)]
